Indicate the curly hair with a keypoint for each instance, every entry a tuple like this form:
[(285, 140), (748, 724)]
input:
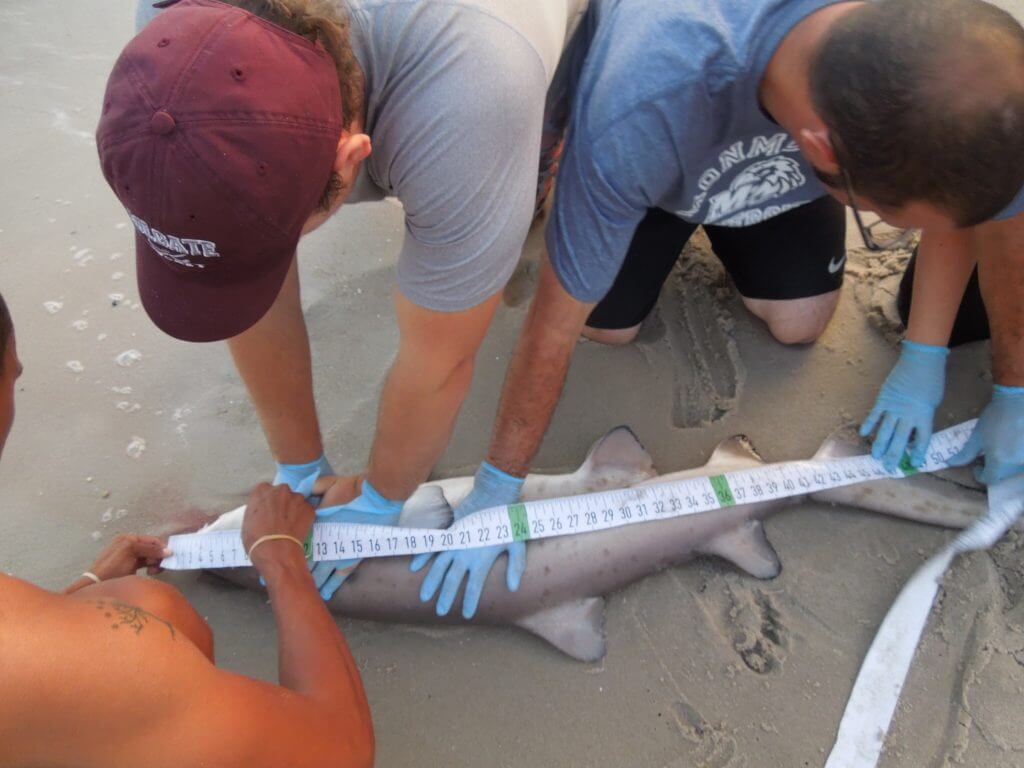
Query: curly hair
[(324, 22)]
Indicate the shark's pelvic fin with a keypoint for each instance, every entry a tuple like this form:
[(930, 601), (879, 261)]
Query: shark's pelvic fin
[(575, 628), (748, 547), (426, 508)]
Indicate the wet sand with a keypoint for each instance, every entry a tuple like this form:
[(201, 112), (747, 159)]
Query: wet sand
[(123, 429)]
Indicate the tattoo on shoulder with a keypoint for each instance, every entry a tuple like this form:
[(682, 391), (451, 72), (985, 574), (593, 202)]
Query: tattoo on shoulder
[(130, 616)]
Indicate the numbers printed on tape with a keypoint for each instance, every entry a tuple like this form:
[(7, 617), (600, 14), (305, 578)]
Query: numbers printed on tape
[(576, 514)]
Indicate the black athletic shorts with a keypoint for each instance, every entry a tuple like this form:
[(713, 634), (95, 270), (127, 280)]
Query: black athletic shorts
[(795, 255), (971, 322)]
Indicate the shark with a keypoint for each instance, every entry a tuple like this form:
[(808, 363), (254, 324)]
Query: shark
[(562, 595)]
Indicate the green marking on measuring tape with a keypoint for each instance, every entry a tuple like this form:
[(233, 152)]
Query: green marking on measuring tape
[(307, 545), (519, 521), (722, 490), (906, 467)]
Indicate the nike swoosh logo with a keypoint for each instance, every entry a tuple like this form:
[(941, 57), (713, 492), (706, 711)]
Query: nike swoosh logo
[(834, 266)]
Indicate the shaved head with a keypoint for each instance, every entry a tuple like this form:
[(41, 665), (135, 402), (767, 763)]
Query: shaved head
[(924, 101)]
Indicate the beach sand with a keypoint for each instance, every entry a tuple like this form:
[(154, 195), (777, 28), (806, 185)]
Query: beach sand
[(121, 428)]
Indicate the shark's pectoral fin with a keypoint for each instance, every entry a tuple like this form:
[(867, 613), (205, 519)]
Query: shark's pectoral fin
[(748, 547), (575, 628)]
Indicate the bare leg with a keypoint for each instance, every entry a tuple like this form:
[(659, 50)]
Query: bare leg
[(795, 321), (274, 361)]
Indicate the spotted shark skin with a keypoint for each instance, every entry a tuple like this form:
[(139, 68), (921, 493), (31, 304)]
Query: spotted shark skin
[(562, 594)]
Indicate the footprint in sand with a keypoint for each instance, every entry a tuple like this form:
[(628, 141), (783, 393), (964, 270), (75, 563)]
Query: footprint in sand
[(693, 307), (876, 284), (757, 631)]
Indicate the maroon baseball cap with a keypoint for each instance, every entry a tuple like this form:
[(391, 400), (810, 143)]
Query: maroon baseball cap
[(218, 135)]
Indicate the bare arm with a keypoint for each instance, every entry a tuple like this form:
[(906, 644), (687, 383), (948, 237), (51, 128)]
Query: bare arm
[(424, 390), (944, 266), (999, 246), (129, 686), (537, 373), (313, 658), (274, 361), (124, 556)]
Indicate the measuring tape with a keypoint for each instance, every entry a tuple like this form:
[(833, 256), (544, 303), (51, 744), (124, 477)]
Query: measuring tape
[(576, 514), (876, 692)]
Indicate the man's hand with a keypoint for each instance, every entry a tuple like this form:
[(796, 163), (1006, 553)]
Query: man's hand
[(301, 478), (275, 509), (491, 488), (369, 508), (906, 404), (128, 553), (998, 436)]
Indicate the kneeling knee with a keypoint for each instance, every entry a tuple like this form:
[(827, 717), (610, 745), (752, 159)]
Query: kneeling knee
[(796, 321), (613, 337), (791, 332)]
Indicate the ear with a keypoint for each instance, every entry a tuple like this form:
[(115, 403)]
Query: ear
[(353, 149), (816, 146)]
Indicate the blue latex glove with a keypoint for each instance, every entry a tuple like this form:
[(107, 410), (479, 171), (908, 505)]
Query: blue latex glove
[(370, 508), (906, 405), (301, 477), (998, 436), (491, 488)]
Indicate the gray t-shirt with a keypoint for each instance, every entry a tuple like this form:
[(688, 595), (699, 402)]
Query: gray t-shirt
[(455, 94)]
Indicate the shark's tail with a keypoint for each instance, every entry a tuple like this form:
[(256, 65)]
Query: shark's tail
[(948, 498)]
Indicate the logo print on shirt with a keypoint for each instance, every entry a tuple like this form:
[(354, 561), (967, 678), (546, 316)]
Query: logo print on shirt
[(176, 249), (766, 168), (756, 184)]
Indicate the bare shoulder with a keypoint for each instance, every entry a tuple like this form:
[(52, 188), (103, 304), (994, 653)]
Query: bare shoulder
[(132, 681), (85, 663)]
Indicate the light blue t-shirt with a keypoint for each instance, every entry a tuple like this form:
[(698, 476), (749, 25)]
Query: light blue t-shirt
[(1016, 206), (662, 109), (664, 114)]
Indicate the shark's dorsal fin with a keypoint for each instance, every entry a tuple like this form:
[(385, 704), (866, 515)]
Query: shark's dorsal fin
[(620, 449), (748, 547), (426, 508), (229, 521), (575, 628), (734, 453)]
